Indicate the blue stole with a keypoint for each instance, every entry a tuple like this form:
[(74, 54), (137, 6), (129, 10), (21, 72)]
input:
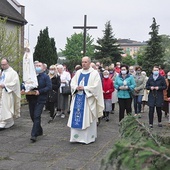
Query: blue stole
[(78, 109)]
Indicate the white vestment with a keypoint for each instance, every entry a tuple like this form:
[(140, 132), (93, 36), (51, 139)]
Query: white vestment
[(29, 74), (93, 107), (10, 98)]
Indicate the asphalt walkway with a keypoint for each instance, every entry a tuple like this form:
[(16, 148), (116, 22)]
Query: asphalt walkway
[(53, 151)]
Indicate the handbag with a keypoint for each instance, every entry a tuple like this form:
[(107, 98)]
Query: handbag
[(52, 97), (66, 90)]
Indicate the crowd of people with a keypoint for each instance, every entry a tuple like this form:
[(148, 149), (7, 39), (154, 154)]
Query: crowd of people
[(95, 89)]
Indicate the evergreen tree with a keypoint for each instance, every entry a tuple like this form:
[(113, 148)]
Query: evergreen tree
[(45, 50), (54, 57), (107, 47), (154, 51)]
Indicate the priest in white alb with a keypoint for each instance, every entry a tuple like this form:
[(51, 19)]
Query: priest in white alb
[(87, 103), (10, 95)]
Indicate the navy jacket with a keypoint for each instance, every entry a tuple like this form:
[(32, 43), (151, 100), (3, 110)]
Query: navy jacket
[(44, 86), (155, 97)]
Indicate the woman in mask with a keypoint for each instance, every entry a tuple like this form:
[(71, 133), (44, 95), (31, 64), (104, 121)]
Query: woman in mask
[(138, 91), (166, 93), (146, 92), (53, 94), (108, 89), (156, 84), (125, 84)]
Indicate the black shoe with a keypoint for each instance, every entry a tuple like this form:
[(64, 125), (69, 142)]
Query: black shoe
[(33, 139), (107, 119), (159, 125), (151, 126)]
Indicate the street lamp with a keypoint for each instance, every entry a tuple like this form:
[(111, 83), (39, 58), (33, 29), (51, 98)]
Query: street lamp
[(29, 31)]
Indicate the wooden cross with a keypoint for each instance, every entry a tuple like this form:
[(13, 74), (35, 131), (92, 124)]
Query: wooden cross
[(85, 27)]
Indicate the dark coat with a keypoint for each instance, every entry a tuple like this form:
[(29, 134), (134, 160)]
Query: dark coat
[(155, 97), (44, 86), (53, 94)]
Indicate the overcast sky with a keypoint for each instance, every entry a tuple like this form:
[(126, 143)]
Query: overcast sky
[(129, 18)]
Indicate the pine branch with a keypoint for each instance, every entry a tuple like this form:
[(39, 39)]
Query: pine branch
[(149, 133), (155, 153), (138, 148)]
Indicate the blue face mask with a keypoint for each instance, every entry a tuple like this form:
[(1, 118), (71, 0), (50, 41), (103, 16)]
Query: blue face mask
[(155, 73), (38, 70)]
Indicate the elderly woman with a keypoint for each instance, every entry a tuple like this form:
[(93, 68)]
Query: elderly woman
[(108, 88), (145, 95), (53, 94), (138, 91), (65, 78)]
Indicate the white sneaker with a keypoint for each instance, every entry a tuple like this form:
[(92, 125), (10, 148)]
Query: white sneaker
[(58, 114), (63, 116)]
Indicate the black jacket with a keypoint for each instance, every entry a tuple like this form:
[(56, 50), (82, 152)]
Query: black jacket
[(155, 97), (53, 93)]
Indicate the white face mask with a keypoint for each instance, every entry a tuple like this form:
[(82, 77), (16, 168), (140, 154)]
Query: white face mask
[(51, 71), (124, 71), (106, 76), (168, 77)]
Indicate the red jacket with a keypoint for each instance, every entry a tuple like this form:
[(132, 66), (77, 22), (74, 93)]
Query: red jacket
[(162, 72), (107, 87), (117, 69)]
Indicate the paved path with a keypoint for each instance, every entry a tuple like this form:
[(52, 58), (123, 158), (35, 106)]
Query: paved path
[(53, 151)]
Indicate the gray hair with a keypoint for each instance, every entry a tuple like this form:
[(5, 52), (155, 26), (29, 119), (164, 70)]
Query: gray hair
[(88, 58), (60, 66)]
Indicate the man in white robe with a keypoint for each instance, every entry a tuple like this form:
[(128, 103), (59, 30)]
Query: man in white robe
[(87, 104), (10, 95)]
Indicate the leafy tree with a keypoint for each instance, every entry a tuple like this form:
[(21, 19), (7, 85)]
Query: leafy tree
[(9, 45), (107, 47), (140, 56), (128, 60), (166, 49), (45, 50), (74, 47), (154, 51)]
